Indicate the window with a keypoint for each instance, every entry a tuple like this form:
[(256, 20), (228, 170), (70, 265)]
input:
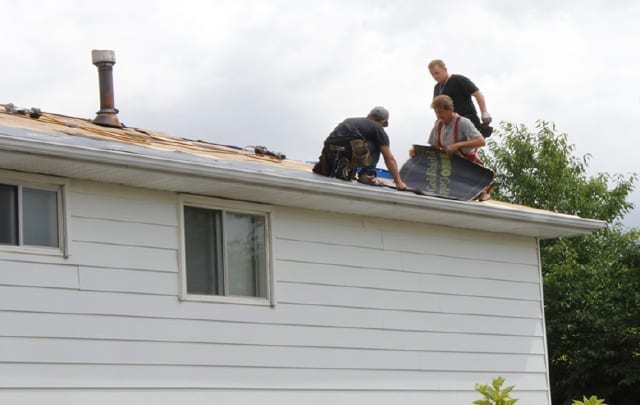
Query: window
[(226, 250), (30, 216)]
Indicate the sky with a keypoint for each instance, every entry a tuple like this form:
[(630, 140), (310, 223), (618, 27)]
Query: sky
[(283, 74)]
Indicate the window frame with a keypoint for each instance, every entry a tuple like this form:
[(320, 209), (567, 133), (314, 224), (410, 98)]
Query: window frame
[(47, 183), (241, 207)]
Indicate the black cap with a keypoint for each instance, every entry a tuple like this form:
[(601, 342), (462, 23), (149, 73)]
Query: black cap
[(381, 113)]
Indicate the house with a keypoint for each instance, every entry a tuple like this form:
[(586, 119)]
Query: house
[(138, 267)]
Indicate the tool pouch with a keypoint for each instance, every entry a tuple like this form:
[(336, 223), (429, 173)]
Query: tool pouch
[(324, 164), (359, 154), (342, 161)]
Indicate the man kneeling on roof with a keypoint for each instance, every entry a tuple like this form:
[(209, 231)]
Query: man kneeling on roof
[(357, 143)]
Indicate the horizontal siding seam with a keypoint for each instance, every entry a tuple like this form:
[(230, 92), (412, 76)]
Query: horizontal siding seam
[(293, 346), (107, 268), (474, 260), (431, 370), (80, 289), (404, 271), (407, 291), (123, 221), (154, 247), (250, 388), (319, 326), (411, 252), (407, 310)]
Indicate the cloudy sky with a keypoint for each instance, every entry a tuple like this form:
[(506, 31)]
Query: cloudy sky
[(283, 73)]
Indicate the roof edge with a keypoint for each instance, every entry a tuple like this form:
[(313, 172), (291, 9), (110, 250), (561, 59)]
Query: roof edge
[(548, 224)]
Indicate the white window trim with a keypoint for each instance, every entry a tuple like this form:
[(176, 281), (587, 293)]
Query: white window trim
[(231, 206), (42, 182)]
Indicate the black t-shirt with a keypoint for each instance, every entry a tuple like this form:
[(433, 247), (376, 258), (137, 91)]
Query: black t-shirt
[(354, 128), (460, 89)]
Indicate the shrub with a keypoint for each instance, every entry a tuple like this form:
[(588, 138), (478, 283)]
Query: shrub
[(494, 394), (589, 401)]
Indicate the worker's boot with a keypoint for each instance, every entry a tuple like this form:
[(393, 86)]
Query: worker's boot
[(370, 179)]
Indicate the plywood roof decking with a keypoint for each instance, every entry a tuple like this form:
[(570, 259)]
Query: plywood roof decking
[(56, 123)]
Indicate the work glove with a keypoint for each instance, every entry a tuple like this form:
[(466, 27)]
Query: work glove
[(486, 117)]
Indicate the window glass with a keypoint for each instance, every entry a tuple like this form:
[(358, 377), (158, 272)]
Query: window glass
[(40, 217), (203, 240), (225, 253), (245, 235), (8, 215)]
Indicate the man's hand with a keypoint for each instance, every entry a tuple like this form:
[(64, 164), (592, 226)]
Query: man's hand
[(451, 149), (486, 117), (400, 185)]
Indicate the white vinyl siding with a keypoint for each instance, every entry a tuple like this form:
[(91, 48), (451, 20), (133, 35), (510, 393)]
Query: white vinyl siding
[(367, 311)]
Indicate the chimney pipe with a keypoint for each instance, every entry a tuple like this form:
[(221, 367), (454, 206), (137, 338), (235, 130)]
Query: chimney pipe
[(108, 114)]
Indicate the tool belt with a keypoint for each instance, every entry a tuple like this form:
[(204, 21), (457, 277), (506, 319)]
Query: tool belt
[(342, 159)]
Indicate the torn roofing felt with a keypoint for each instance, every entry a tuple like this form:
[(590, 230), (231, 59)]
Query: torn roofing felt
[(53, 127)]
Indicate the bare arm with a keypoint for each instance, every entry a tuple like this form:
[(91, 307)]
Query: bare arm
[(392, 166), (475, 142), (480, 100)]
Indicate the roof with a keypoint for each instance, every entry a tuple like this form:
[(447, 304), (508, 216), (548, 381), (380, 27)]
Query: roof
[(76, 148)]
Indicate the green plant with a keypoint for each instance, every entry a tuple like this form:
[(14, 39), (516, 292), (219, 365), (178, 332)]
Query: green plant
[(589, 401), (494, 394)]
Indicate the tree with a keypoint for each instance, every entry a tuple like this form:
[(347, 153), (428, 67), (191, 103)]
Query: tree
[(592, 309), (591, 283), (539, 170)]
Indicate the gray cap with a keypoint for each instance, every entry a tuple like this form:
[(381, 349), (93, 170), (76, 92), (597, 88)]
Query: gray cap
[(381, 113)]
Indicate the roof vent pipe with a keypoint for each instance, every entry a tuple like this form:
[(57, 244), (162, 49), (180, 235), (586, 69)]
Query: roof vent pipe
[(108, 114)]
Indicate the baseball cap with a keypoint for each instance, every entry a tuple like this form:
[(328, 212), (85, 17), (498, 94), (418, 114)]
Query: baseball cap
[(382, 113)]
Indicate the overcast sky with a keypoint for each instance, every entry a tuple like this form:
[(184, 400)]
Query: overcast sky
[(283, 74)]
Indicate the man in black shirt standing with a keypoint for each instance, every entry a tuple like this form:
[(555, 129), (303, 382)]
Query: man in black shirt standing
[(460, 89), (358, 143)]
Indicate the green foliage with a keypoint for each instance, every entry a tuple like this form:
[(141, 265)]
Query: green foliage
[(538, 170), (589, 401), (494, 394), (592, 307), (592, 282)]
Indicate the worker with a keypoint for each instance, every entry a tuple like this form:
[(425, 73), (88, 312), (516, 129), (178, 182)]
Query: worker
[(461, 89), (356, 143), (453, 133)]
